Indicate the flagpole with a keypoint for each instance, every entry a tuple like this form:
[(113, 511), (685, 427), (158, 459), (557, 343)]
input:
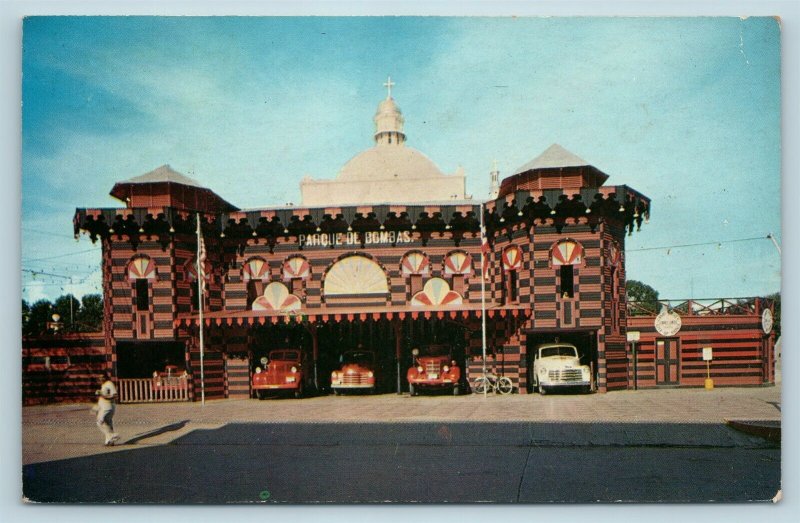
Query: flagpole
[(483, 301), (200, 302)]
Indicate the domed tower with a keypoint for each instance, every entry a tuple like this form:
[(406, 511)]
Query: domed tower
[(388, 172), (389, 120)]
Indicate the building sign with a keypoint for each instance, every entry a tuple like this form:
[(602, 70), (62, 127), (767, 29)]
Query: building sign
[(708, 354), (766, 321), (353, 238), (668, 323)]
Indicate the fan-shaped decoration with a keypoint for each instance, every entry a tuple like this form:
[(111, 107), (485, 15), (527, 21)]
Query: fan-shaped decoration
[(296, 267), (512, 258), (415, 263), (355, 275), (436, 292), (458, 263), (141, 267), (276, 297), (255, 269), (567, 252), (614, 254), (190, 269)]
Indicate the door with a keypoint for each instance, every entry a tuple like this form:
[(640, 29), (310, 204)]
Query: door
[(667, 361)]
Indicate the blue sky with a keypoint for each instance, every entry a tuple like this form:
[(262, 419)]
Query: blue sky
[(685, 110)]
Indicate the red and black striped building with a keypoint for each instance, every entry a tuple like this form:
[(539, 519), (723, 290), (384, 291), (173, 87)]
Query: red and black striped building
[(395, 276)]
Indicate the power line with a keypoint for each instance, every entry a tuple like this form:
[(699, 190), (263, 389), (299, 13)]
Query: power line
[(97, 249), (678, 246), (25, 229)]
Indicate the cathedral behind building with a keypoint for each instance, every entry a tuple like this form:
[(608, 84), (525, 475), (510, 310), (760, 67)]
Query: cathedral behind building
[(387, 257)]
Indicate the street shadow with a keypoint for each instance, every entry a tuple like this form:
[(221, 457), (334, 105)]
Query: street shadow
[(434, 462), (156, 432)]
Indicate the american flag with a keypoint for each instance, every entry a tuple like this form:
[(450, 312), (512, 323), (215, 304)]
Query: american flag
[(485, 250), (201, 265)]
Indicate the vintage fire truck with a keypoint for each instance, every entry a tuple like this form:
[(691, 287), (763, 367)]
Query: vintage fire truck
[(557, 366), (282, 372), (434, 368), (357, 372)]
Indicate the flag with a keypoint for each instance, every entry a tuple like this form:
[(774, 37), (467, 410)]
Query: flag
[(201, 259), (485, 250)]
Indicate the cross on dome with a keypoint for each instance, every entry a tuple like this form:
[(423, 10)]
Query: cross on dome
[(388, 85)]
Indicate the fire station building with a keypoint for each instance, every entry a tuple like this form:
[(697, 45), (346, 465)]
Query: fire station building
[(386, 256)]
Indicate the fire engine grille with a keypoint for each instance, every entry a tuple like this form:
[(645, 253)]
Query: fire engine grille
[(568, 375), (354, 379), (432, 368)]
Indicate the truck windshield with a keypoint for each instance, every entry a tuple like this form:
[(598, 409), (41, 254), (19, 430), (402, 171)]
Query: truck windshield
[(286, 355), (360, 357), (435, 350), (561, 350)]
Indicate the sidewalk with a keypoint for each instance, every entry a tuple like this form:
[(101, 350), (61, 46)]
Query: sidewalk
[(68, 430)]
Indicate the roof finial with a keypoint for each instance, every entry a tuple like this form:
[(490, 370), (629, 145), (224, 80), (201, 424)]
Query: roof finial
[(388, 85)]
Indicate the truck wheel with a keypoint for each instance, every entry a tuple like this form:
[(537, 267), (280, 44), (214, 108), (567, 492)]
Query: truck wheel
[(335, 392), (260, 394), (587, 389), (299, 392), (455, 390), (411, 390), (542, 390)]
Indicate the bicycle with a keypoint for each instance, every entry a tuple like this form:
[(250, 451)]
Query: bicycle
[(493, 383)]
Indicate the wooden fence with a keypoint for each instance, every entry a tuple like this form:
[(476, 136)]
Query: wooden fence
[(153, 390)]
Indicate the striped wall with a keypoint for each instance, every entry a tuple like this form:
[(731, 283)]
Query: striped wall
[(742, 353), (75, 363)]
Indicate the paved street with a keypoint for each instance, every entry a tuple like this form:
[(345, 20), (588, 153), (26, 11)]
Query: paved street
[(665, 445)]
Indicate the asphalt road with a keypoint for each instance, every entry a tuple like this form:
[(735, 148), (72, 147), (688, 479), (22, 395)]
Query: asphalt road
[(519, 462)]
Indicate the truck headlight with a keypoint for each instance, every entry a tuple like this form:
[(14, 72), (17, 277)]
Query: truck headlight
[(446, 369), (258, 370), (370, 374), (293, 369), (420, 369), (542, 372)]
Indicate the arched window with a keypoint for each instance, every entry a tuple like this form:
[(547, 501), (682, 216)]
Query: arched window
[(564, 256), (414, 266), (255, 273), (512, 262), (615, 263), (296, 270), (355, 274), (458, 265), (141, 271)]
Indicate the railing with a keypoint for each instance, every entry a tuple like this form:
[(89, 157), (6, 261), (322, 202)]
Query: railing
[(154, 390), (702, 307)]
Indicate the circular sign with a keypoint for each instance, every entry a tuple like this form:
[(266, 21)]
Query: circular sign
[(668, 323), (766, 321)]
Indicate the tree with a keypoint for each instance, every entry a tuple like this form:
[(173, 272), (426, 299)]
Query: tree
[(37, 318), (67, 307), (90, 314), (85, 315), (644, 295)]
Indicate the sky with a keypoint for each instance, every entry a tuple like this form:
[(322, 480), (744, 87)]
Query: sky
[(684, 110)]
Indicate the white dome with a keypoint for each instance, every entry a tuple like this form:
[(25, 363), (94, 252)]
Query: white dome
[(389, 163)]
